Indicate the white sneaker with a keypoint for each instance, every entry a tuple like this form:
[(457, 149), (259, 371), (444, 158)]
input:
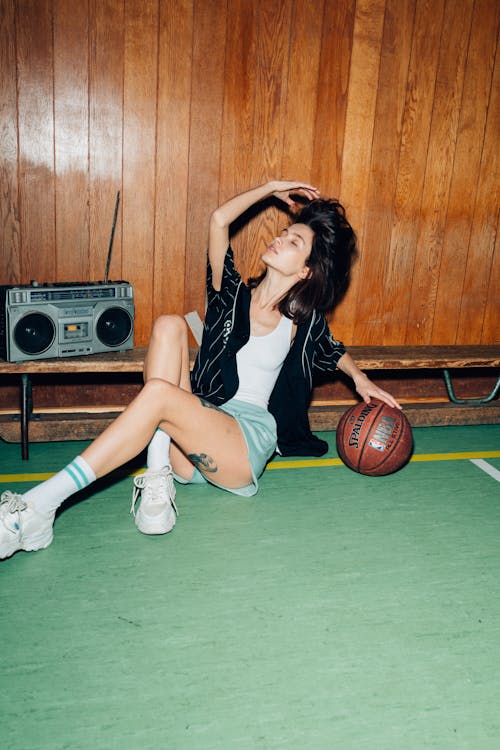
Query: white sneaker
[(157, 511), (21, 526)]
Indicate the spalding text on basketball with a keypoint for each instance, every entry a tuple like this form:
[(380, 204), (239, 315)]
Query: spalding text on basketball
[(358, 424)]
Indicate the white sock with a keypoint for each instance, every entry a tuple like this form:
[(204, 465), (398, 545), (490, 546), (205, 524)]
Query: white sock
[(49, 495), (158, 451)]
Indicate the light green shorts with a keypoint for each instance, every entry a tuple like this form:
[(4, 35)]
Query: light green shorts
[(259, 430)]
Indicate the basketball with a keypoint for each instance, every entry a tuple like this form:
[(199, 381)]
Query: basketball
[(374, 439)]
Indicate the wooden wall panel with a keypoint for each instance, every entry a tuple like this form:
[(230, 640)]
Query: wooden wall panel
[(466, 172), (492, 310), (271, 71), (361, 106), (36, 138), (332, 92), (440, 156), (106, 132), (9, 204), (417, 113), (207, 97), (239, 98), (71, 140), (301, 97), (139, 144), (172, 155), (382, 174), (480, 298), (389, 105)]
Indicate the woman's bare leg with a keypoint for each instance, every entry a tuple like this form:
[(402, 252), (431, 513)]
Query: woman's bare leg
[(167, 358), (205, 437), (211, 439)]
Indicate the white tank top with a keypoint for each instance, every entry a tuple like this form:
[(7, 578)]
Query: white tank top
[(259, 363)]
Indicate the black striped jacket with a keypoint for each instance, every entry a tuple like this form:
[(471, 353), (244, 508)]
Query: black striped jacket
[(314, 352)]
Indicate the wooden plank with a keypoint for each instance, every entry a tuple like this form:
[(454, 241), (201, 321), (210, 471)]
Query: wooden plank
[(480, 300), (240, 96), (87, 391), (10, 267), (367, 358), (465, 180), (419, 415), (36, 139), (71, 132), (172, 140), (95, 391), (272, 55), (374, 289), (50, 428), (139, 154), (439, 166), (239, 99), (356, 157), (129, 361), (87, 426), (207, 94), (491, 329), (417, 357), (417, 115), (407, 386), (301, 93), (106, 112), (332, 94)]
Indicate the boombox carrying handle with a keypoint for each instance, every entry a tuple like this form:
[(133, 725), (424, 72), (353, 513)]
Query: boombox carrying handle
[(108, 261)]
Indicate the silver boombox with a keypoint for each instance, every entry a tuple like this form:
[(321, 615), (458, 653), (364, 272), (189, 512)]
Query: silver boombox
[(39, 321)]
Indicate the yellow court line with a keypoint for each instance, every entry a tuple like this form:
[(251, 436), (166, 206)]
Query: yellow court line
[(313, 462), (26, 477), (299, 464), (467, 456)]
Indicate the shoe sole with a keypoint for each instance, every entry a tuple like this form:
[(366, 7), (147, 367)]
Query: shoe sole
[(29, 545), (42, 541), (154, 525)]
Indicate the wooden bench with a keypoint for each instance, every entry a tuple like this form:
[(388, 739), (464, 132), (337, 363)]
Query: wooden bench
[(83, 424)]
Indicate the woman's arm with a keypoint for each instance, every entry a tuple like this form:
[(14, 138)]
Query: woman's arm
[(224, 215), (363, 384)]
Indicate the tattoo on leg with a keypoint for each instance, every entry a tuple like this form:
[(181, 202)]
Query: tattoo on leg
[(208, 405), (203, 462)]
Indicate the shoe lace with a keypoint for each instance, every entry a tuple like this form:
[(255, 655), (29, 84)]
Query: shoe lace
[(10, 503), (148, 482)]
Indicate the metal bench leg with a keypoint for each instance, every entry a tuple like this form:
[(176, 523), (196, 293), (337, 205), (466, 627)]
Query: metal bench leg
[(470, 401), (26, 411)]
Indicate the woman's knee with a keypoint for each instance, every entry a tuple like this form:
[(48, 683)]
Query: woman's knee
[(159, 391), (169, 327)]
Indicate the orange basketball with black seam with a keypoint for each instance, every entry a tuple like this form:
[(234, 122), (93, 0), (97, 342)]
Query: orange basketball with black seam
[(374, 439)]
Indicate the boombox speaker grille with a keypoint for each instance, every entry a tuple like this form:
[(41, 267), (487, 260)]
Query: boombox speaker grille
[(34, 333), (114, 326)]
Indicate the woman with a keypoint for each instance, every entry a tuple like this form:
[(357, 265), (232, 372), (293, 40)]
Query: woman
[(251, 383)]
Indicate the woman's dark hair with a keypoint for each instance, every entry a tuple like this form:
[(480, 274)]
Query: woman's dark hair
[(332, 254)]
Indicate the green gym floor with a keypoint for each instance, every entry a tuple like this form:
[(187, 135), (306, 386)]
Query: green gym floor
[(332, 610)]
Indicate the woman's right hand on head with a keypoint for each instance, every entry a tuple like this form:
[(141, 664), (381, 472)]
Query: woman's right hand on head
[(284, 189)]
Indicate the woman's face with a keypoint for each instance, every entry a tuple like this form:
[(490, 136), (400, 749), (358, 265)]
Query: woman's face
[(289, 252)]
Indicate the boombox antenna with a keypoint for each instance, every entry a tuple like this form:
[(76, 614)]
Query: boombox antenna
[(112, 237)]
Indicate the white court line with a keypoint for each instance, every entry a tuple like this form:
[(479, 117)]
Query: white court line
[(488, 468)]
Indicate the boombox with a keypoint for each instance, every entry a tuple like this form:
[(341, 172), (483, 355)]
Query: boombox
[(38, 321)]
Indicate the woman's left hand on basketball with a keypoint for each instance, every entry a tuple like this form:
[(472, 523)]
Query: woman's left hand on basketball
[(368, 390)]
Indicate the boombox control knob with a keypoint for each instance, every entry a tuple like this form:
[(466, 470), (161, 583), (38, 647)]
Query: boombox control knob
[(34, 283)]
